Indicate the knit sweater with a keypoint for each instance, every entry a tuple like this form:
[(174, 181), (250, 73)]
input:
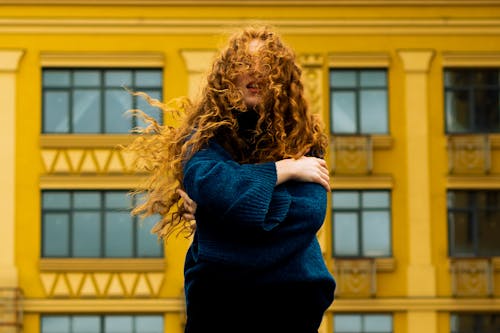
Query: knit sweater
[(251, 231)]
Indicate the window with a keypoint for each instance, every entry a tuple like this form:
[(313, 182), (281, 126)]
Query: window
[(358, 101), (102, 324), (95, 224), (361, 223), (362, 323), (474, 223), (475, 323), (472, 100), (95, 100)]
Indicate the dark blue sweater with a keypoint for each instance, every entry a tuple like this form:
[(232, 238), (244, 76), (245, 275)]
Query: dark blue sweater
[(251, 232)]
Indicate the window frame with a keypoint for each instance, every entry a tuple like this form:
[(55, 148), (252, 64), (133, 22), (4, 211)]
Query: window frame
[(357, 90), (359, 212), (470, 89), (102, 88), (473, 212), (102, 211)]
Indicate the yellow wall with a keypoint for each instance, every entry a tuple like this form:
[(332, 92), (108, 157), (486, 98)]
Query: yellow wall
[(415, 287)]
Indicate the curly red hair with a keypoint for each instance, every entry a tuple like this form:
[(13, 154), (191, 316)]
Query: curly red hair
[(284, 126)]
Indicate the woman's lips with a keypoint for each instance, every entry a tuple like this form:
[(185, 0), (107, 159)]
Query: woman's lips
[(253, 88)]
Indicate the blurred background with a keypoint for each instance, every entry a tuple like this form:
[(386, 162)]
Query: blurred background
[(409, 91)]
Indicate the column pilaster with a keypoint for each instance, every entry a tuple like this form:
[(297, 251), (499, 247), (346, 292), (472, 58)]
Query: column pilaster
[(9, 62)]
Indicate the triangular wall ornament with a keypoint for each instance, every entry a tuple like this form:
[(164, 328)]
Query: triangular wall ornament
[(61, 288), (75, 281), (75, 157), (142, 287), (115, 288), (101, 281), (88, 288), (102, 158), (48, 280), (48, 158), (155, 281), (88, 163)]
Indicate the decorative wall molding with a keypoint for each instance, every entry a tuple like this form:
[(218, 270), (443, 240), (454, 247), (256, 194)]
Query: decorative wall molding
[(471, 59), (37, 305), (101, 284), (415, 304), (358, 60), (187, 26), (102, 265), (64, 182), (102, 59), (293, 3), (362, 182)]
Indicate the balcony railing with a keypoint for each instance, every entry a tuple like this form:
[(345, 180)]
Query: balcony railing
[(11, 310), (472, 277), (356, 278), (469, 154), (351, 155)]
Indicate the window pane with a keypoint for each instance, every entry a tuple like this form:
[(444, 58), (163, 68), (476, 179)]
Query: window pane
[(86, 78), (457, 111), (376, 234), (148, 244), (86, 324), (56, 112), (86, 200), (118, 324), (485, 77), (149, 324), (55, 324), (458, 199), (56, 78), (86, 234), (345, 234), (118, 235), (148, 78), (118, 78), (462, 234), (345, 199), (376, 200), (143, 105), (55, 235), (117, 103), (117, 200), (343, 78), (489, 233), (377, 323), (373, 111), (373, 79), (87, 111), (486, 110), (347, 323), (56, 200), (456, 78), (344, 112)]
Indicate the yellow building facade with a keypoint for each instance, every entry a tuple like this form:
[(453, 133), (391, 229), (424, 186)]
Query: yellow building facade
[(419, 283)]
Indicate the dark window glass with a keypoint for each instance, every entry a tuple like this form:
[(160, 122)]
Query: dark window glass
[(474, 223), (472, 100), (475, 323), (361, 223), (358, 101), (95, 100), (95, 224), (102, 324)]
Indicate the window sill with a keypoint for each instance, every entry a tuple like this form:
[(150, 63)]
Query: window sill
[(101, 265), (383, 265)]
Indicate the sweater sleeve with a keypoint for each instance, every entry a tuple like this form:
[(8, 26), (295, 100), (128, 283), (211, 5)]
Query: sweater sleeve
[(245, 194)]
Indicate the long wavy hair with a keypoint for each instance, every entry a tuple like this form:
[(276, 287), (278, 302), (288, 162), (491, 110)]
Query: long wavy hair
[(281, 125)]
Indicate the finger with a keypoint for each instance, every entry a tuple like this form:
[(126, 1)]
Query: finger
[(188, 217), (184, 196)]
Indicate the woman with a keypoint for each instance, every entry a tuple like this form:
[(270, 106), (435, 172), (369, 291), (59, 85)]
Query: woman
[(249, 155)]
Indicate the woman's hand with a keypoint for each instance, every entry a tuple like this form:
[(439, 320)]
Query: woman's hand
[(304, 169), (189, 205)]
